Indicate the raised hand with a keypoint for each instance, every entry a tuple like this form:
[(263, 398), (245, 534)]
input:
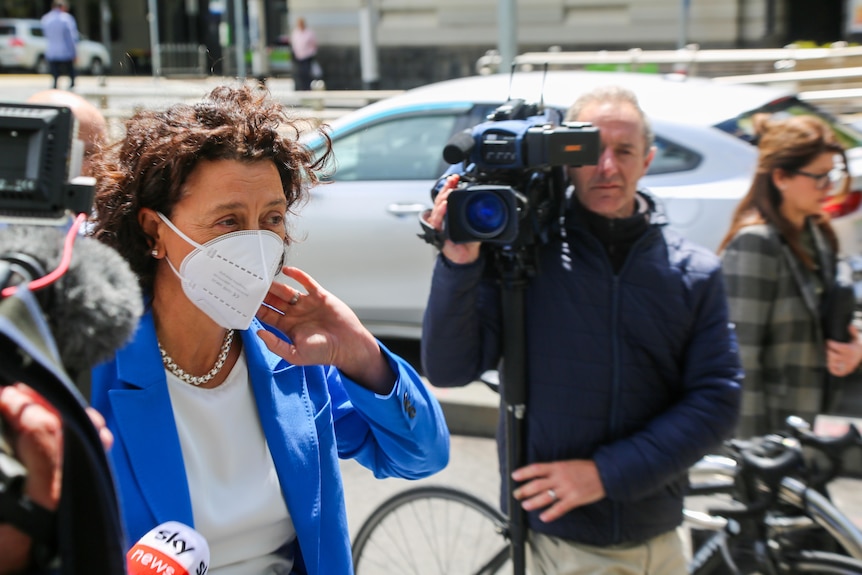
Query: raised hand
[(322, 330)]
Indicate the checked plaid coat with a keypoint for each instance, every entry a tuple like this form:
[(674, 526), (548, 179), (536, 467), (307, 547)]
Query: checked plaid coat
[(774, 301)]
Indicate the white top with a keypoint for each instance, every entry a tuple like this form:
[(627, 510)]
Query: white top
[(235, 493)]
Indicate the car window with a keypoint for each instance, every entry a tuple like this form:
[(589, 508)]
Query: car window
[(407, 148), (7, 30), (743, 126), (36, 31), (671, 157)]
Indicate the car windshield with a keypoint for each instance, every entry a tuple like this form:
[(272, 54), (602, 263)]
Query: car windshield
[(742, 126)]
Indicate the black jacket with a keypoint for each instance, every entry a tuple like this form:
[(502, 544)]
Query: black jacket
[(636, 370)]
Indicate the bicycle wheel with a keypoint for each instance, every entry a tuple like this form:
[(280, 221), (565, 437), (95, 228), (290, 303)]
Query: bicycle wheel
[(432, 530), (815, 562)]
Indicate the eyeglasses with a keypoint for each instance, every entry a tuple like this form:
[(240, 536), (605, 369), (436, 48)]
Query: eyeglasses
[(834, 178)]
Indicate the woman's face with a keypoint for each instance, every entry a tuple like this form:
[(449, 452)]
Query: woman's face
[(804, 190), (223, 196)]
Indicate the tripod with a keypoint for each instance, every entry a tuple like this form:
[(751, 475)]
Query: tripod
[(452, 530), (513, 394)]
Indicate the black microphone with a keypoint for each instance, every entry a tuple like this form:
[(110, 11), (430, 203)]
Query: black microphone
[(458, 147), (94, 307)]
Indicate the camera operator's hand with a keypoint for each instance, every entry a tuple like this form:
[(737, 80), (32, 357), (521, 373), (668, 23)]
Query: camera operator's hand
[(558, 486), (35, 432), (36, 435), (456, 253)]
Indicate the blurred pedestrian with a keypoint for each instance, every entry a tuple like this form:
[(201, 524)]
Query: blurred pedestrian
[(779, 259), (61, 32), (303, 42), (92, 126)]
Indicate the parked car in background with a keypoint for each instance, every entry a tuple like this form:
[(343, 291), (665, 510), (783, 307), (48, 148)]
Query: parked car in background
[(23, 44), (357, 235)]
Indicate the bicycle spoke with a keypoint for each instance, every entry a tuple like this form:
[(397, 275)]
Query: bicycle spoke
[(434, 531)]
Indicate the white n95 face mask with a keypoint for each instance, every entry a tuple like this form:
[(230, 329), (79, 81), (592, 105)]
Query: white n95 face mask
[(228, 277)]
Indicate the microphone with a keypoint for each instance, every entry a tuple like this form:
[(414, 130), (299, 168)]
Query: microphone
[(171, 548), (458, 147), (94, 307)]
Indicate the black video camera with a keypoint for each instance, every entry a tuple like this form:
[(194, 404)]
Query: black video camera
[(40, 158), (512, 180)]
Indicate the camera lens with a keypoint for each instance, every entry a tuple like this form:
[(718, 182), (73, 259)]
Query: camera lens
[(486, 214)]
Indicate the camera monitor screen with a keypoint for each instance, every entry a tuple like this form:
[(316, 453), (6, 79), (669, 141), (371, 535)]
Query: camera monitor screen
[(35, 148)]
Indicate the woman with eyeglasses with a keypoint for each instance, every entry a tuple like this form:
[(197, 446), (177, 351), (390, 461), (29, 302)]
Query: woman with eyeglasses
[(780, 259)]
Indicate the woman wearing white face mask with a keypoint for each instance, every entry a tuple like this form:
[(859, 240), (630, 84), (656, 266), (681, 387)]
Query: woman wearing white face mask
[(225, 421)]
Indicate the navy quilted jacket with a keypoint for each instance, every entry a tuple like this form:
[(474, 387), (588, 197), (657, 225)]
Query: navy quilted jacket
[(638, 371)]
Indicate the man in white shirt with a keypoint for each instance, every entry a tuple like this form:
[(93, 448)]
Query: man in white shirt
[(303, 42)]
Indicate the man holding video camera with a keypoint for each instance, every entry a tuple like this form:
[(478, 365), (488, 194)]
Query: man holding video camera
[(32, 432), (632, 368), (59, 316)]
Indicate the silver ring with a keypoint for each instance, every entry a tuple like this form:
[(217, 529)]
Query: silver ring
[(552, 494), (294, 299)]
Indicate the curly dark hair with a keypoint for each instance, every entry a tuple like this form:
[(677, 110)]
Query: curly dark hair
[(150, 166)]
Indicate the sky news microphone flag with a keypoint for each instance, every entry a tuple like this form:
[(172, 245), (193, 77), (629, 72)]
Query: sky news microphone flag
[(171, 548)]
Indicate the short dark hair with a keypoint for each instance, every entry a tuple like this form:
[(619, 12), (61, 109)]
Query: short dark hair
[(150, 166)]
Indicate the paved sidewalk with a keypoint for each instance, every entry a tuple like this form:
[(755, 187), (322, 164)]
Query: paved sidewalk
[(471, 410)]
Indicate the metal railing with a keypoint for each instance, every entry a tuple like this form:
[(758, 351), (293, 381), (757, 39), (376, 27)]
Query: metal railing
[(183, 59), (693, 61), (828, 76), (118, 97), (838, 90)]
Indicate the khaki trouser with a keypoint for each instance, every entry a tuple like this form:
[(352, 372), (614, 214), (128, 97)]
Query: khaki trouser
[(661, 555)]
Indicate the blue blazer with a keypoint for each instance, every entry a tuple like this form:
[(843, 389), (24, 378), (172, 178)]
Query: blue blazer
[(310, 416)]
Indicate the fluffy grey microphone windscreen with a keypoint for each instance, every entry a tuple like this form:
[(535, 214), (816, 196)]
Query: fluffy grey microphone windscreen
[(94, 308)]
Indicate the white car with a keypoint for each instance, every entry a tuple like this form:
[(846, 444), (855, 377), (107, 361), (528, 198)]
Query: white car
[(23, 44), (357, 234)]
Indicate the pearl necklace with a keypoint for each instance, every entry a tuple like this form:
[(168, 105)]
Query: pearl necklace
[(172, 366)]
